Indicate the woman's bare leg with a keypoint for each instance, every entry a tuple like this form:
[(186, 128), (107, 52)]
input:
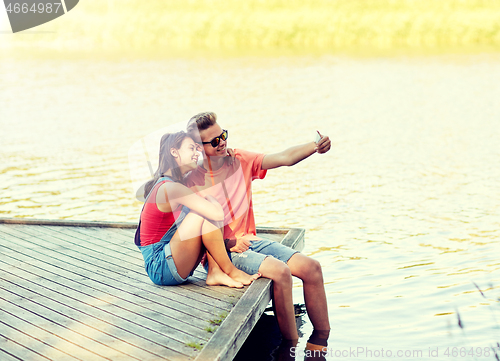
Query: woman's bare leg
[(186, 250), (212, 239), (186, 246), (216, 277)]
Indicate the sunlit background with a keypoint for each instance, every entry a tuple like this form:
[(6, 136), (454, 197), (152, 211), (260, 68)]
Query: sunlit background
[(403, 212), (162, 28)]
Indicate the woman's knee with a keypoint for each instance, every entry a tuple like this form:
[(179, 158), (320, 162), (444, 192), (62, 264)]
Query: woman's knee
[(193, 219), (208, 226), (190, 227)]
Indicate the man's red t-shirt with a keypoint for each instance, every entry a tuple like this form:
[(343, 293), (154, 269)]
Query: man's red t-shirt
[(231, 185)]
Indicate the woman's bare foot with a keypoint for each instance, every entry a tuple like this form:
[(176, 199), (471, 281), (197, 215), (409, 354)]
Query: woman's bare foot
[(243, 277), (216, 277)]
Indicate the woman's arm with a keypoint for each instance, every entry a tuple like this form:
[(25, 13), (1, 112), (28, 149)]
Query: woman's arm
[(177, 193)]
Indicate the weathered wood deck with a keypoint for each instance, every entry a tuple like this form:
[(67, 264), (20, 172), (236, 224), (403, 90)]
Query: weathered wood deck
[(78, 290)]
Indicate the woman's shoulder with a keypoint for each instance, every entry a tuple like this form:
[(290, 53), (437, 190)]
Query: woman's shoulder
[(175, 189)]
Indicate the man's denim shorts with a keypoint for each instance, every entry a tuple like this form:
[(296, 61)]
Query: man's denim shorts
[(250, 260)]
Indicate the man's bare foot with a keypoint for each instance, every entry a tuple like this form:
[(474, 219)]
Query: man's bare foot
[(216, 277), (243, 277)]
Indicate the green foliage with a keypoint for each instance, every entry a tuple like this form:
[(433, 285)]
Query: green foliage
[(193, 344), (218, 320), (210, 329)]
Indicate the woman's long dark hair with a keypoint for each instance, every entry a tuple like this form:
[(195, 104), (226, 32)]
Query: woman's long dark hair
[(167, 160)]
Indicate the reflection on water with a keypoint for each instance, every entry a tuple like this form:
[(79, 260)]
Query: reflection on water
[(403, 213)]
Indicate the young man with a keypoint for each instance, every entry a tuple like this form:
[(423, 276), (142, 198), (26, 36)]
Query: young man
[(230, 184)]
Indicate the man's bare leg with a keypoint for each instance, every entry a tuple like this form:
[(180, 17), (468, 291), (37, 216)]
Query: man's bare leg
[(309, 270), (283, 301)]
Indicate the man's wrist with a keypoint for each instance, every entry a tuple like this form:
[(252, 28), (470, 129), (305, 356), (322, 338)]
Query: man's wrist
[(229, 243)]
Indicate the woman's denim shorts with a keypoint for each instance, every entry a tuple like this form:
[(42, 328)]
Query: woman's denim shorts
[(158, 260)]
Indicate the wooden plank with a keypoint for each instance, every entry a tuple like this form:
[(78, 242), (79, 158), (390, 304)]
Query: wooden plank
[(126, 232), (201, 323), (66, 223), (104, 264), (206, 324), (81, 248), (274, 230), (101, 333), (96, 251), (107, 235), (138, 292), (4, 355), (43, 329), (240, 322), (232, 333), (194, 326), (97, 236), (198, 279), (88, 302), (134, 264), (23, 346), (131, 263), (103, 235), (295, 238), (100, 245), (160, 301), (190, 338)]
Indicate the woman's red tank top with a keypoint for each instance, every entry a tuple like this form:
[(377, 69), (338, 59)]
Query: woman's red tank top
[(155, 223)]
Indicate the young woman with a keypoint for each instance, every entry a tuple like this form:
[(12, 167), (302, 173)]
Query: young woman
[(177, 227)]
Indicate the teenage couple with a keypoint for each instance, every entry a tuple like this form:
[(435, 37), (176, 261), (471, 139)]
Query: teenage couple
[(187, 206)]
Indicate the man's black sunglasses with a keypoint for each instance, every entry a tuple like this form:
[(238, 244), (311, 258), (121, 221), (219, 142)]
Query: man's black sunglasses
[(216, 141)]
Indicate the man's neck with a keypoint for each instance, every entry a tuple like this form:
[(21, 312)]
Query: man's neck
[(213, 164)]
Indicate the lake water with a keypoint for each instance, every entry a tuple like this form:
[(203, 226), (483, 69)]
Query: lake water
[(402, 213)]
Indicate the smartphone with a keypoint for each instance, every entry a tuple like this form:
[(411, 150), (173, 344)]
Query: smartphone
[(317, 137)]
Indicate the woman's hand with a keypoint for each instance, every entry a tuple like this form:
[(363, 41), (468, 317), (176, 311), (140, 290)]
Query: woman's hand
[(231, 156)]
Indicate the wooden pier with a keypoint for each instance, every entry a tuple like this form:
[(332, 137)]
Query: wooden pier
[(78, 291)]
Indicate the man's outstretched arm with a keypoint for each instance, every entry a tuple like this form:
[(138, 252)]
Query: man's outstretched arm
[(295, 154)]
